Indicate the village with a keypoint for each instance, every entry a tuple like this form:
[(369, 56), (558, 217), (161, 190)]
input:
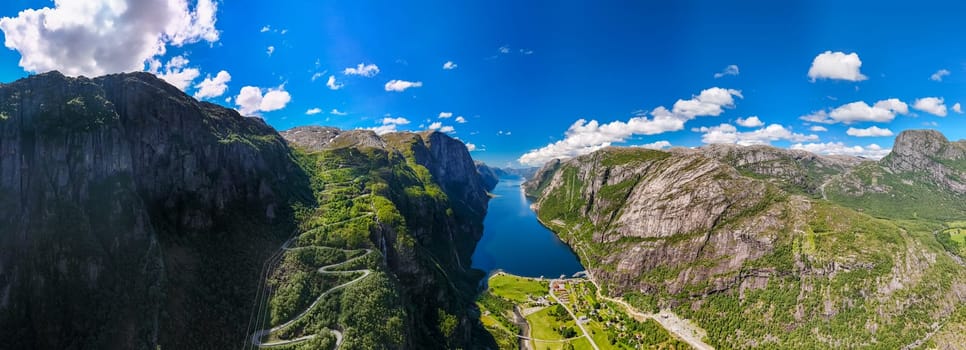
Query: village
[(564, 313)]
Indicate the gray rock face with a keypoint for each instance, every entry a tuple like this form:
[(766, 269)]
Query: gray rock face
[(113, 191), (787, 168), (317, 138), (688, 214), (928, 152)]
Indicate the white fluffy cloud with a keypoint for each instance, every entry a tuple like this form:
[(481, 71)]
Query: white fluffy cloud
[(444, 115), (938, 75), (402, 85), (881, 112), (449, 65), (313, 111), (176, 72), (818, 128), (96, 37), (270, 50), (958, 108), (335, 111), (729, 70), (872, 151), (366, 70), (332, 84), (213, 87), (395, 121), (872, 131), (252, 100), (389, 125), (655, 145), (750, 122), (836, 65), (727, 133), (460, 120), (931, 105), (470, 147), (587, 136)]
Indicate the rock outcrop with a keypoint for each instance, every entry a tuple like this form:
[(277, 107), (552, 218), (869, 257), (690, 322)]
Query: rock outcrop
[(929, 153)]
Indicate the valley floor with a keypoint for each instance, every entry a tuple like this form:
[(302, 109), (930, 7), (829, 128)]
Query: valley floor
[(572, 313)]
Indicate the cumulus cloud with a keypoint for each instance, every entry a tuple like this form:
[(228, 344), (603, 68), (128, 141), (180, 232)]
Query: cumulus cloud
[(252, 100), (96, 37), (402, 85), (449, 65), (587, 136), (332, 84), (931, 105), (389, 125), (818, 128), (729, 70), (938, 75), (881, 112), (872, 151), (365, 70), (175, 72), (460, 120), (470, 147), (872, 131), (444, 115), (750, 122), (313, 111), (213, 87), (655, 145), (958, 108), (504, 49), (727, 133), (395, 121), (836, 65), (337, 112), (270, 50)]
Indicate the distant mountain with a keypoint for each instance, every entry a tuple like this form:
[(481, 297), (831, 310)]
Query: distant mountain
[(136, 217), (490, 176), (740, 239), (525, 173)]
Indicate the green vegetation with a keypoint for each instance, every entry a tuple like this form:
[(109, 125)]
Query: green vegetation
[(904, 195), (517, 289)]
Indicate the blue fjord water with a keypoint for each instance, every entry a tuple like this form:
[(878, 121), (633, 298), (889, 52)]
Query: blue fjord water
[(515, 242)]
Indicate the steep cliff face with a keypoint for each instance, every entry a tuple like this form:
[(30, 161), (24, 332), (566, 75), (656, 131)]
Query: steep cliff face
[(433, 203), (749, 261), (648, 221), (118, 193), (489, 177)]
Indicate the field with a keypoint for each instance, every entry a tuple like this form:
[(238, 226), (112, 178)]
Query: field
[(517, 289)]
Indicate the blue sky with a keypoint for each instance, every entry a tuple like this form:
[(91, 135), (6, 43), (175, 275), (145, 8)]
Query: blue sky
[(525, 72)]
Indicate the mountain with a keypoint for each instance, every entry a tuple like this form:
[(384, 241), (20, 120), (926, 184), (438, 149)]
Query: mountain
[(924, 176), (525, 173), (490, 176), (137, 217), (740, 240)]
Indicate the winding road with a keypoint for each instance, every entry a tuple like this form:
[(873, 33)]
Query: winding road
[(258, 335)]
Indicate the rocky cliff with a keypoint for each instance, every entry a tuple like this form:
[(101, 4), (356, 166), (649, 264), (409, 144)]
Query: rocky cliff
[(489, 175), (121, 196), (136, 217), (740, 240)]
